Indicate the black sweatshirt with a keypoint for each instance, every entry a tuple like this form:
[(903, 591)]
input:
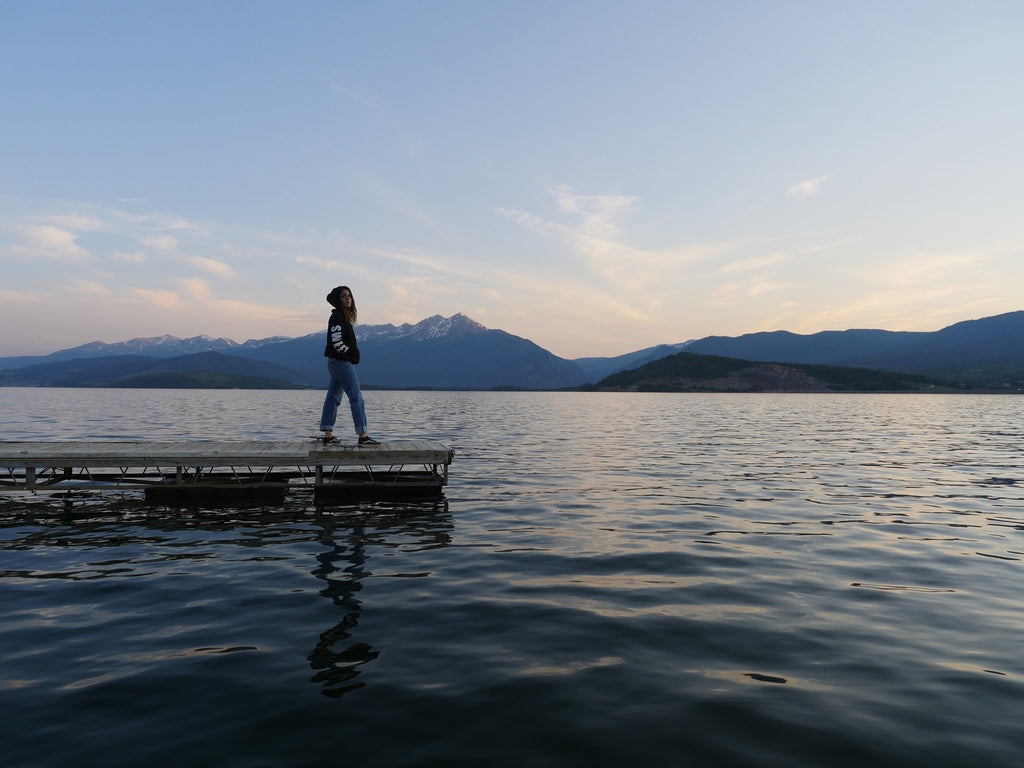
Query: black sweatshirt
[(341, 339)]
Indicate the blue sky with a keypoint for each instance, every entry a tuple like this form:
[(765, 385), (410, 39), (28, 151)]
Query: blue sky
[(595, 176)]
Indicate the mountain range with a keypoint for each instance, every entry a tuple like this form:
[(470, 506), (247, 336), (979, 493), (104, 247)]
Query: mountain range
[(458, 353), (690, 372)]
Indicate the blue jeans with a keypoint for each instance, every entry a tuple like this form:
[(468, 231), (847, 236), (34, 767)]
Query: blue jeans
[(343, 378)]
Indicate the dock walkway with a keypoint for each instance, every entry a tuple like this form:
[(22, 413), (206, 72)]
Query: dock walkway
[(174, 469)]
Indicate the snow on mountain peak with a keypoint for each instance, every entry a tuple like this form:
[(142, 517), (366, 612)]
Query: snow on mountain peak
[(435, 327), (438, 327)]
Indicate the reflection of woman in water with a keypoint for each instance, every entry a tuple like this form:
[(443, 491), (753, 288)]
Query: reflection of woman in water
[(337, 661), (336, 670), (342, 353)]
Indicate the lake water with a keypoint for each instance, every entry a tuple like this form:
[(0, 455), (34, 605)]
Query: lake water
[(609, 580)]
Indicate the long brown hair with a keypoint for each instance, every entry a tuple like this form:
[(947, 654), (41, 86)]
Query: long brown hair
[(334, 299), (351, 313)]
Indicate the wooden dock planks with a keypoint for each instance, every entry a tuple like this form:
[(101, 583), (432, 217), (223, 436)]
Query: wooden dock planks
[(242, 452), (47, 465)]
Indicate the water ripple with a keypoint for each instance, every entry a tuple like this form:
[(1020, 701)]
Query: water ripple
[(719, 580)]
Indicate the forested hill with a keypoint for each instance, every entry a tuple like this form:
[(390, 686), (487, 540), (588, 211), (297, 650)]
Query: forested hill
[(690, 372)]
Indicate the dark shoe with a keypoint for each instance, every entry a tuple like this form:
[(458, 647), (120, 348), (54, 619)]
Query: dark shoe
[(331, 440), (368, 441)]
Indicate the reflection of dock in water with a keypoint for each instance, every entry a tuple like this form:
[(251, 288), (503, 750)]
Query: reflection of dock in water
[(344, 538), (264, 470)]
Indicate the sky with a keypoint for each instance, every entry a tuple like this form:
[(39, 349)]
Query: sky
[(596, 176)]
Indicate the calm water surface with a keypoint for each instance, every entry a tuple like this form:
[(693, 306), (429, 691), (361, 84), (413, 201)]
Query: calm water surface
[(662, 580)]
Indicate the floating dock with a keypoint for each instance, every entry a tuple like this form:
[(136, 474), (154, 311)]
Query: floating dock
[(211, 470)]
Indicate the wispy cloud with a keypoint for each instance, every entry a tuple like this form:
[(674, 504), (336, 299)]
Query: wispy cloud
[(731, 293), (85, 217), (754, 263), (8, 297), (49, 241), (58, 235), (807, 187), (599, 213), (160, 242), (892, 309), (596, 236), (197, 289), (76, 221), (212, 266), (153, 221), (429, 263), (525, 219), (917, 291), (94, 287), (338, 269), (230, 311), (135, 258), (163, 298), (930, 267)]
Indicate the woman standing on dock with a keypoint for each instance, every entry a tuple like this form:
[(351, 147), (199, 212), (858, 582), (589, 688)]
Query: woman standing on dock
[(342, 355)]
